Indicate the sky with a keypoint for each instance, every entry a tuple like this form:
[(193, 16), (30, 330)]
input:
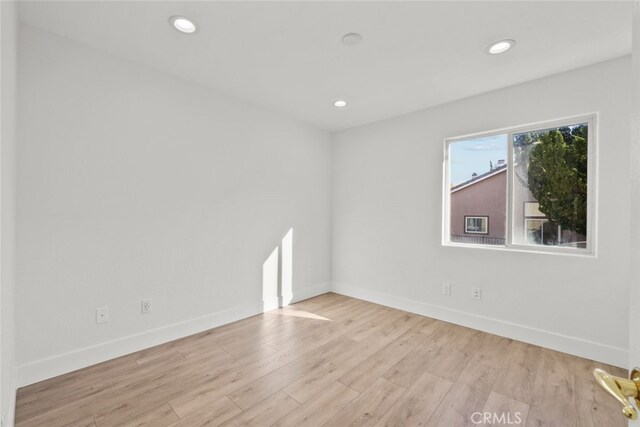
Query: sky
[(473, 155)]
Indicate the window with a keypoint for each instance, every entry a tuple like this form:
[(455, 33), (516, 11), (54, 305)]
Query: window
[(476, 224), (539, 232), (478, 189), (534, 184)]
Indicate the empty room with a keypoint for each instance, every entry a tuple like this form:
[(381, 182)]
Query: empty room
[(319, 213)]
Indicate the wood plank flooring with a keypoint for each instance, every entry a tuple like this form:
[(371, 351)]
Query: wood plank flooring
[(332, 361)]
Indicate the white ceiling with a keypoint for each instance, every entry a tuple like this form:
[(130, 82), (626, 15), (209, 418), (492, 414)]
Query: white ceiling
[(287, 56)]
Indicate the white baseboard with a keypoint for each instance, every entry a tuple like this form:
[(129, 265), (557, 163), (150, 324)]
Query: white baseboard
[(9, 413), (271, 303), (311, 292), (59, 364), (567, 344)]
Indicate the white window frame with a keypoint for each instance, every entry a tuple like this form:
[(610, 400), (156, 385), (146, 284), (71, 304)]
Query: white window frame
[(486, 224), (592, 191)]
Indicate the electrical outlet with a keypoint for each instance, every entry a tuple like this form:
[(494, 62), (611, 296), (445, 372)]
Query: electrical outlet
[(102, 314), (145, 307), (476, 293), (446, 289)]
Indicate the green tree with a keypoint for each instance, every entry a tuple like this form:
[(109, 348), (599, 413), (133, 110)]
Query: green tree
[(557, 175)]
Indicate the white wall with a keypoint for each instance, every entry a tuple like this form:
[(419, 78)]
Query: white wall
[(133, 184), (387, 216), (634, 282), (8, 63)]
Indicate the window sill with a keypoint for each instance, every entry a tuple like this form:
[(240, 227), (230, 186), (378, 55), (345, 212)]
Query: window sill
[(582, 253)]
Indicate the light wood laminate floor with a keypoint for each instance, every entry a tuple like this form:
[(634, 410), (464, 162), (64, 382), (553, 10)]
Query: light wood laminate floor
[(333, 361)]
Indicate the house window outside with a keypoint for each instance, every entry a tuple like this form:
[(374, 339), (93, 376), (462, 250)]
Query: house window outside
[(534, 184), (540, 232), (476, 224)]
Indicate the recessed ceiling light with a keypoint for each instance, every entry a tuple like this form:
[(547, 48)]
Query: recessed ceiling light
[(351, 39), (340, 103), (501, 46), (182, 24)]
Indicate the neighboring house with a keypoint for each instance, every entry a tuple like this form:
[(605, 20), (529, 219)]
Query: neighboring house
[(478, 205), (478, 213)]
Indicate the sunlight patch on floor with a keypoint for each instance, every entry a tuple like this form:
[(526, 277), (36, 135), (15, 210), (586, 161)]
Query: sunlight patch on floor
[(299, 313)]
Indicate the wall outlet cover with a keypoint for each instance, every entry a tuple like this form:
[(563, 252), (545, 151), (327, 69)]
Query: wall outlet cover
[(446, 289), (145, 306), (102, 315)]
